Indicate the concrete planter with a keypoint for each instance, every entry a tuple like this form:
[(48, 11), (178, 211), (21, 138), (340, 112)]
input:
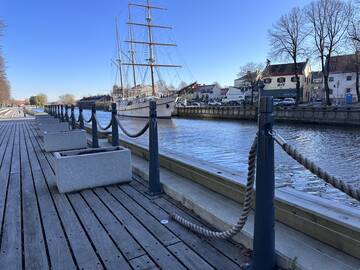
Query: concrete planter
[(81, 169), (62, 141), (53, 127)]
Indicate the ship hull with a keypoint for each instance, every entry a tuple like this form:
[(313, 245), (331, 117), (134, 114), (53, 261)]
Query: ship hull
[(164, 107)]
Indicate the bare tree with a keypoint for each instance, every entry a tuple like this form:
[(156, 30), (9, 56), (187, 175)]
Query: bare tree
[(329, 20), (250, 73), (67, 99), (287, 40), (354, 41), (4, 84)]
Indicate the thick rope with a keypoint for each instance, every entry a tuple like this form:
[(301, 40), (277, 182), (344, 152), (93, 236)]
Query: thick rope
[(101, 127), (88, 121), (312, 167), (246, 206), (132, 135)]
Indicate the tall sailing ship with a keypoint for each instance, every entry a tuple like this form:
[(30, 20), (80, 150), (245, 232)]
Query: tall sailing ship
[(134, 101)]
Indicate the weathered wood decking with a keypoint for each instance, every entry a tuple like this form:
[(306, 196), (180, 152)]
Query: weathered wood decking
[(116, 227)]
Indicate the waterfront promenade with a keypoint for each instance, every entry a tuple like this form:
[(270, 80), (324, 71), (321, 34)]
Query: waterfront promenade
[(117, 227)]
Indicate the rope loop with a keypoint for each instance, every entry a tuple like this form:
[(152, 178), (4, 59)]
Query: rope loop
[(101, 127), (248, 202), (132, 135), (316, 170)]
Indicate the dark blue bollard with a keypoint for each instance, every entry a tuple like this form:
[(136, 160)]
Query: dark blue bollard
[(264, 234), (114, 126), (73, 121), (81, 118), (155, 187), (62, 113), (66, 113), (95, 141)]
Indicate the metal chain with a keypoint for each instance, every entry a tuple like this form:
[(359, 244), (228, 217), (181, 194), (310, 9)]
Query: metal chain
[(248, 202), (132, 135), (312, 167)]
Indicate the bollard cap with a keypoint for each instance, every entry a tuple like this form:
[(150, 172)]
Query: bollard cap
[(266, 104)]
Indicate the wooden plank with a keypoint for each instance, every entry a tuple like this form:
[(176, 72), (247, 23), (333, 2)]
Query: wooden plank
[(161, 256), (188, 257), (6, 151), (79, 242), (11, 240), (153, 225), (129, 247), (57, 245), (143, 263), (34, 244), (234, 251), (162, 211), (104, 245)]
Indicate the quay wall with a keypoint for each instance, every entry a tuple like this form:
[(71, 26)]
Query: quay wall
[(320, 115)]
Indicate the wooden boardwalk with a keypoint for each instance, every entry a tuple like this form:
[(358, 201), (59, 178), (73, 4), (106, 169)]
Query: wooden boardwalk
[(117, 227)]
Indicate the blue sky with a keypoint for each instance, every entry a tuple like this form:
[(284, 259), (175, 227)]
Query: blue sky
[(66, 46)]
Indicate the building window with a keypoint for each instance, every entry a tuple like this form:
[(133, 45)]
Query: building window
[(267, 80), (293, 79), (348, 78), (281, 80), (348, 90), (331, 79), (330, 91)]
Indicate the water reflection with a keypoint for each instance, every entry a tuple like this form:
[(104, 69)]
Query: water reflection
[(226, 143)]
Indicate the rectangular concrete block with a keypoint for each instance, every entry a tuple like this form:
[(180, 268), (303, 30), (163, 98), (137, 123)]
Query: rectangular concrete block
[(53, 127), (65, 140), (82, 169)]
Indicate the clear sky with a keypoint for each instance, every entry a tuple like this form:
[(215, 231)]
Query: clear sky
[(66, 46)]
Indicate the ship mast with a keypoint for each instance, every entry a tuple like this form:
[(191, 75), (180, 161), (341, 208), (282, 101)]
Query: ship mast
[(132, 51), (118, 60), (150, 42)]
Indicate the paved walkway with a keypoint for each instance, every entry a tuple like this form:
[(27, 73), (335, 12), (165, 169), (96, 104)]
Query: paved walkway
[(117, 227)]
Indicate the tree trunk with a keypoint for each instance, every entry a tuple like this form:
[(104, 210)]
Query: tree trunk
[(326, 80), (357, 77), (297, 82)]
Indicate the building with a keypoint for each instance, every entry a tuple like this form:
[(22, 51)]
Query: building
[(342, 77), (102, 102), (317, 86), (280, 81), (207, 92)]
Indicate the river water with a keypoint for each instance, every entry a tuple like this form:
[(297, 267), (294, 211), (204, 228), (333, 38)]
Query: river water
[(226, 143)]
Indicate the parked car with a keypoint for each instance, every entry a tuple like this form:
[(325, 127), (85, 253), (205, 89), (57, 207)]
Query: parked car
[(288, 102), (277, 101), (214, 103)]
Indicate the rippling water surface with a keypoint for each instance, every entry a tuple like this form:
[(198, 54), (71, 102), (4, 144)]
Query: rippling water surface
[(226, 143)]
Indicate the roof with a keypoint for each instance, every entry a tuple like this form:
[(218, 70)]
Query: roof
[(343, 63), (284, 69), (94, 98), (204, 88)]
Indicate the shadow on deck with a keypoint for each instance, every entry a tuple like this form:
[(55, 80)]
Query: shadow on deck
[(116, 227)]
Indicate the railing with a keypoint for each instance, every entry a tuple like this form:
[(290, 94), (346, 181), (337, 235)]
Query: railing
[(155, 187), (260, 166)]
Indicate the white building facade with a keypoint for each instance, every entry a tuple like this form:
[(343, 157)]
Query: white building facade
[(342, 78), (280, 81)]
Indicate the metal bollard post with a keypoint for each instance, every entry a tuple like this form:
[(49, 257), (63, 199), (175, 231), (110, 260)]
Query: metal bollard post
[(62, 113), (81, 118), (95, 141), (73, 122), (66, 113), (264, 234), (114, 126), (155, 187)]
